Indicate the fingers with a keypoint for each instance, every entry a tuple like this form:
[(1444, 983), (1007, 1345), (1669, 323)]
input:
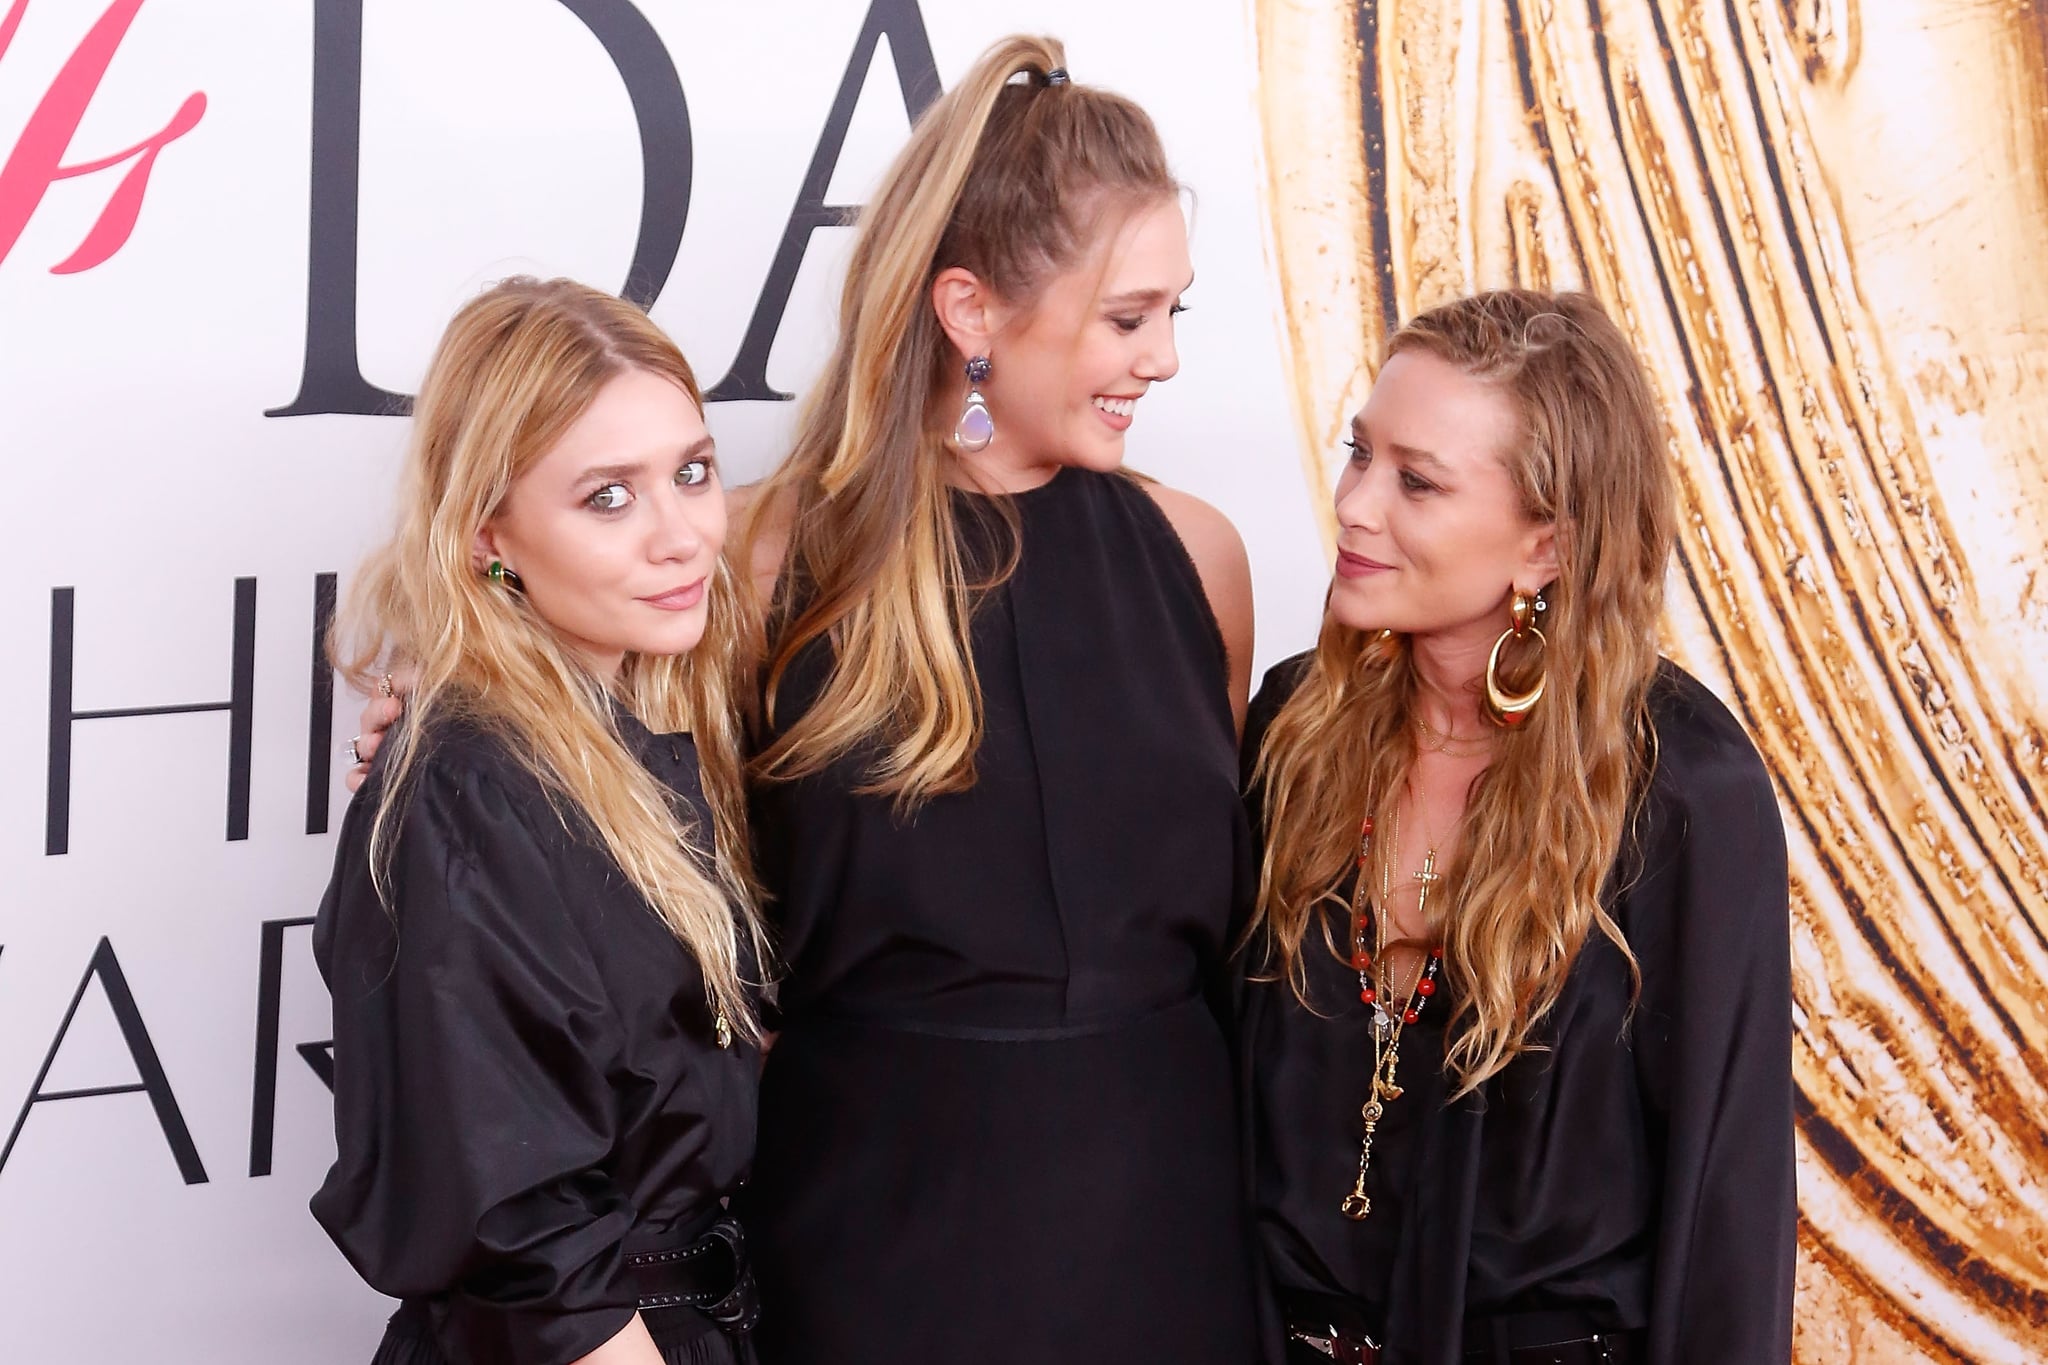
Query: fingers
[(354, 778), (378, 715)]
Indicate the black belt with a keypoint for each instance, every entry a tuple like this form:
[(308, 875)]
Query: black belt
[(1307, 1342), (710, 1274)]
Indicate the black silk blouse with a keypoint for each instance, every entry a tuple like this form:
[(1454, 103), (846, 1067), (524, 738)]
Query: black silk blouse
[(526, 1075), (1637, 1175)]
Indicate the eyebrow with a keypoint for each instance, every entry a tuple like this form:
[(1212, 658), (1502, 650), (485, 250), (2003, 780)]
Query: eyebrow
[(1413, 455), (1142, 296), (703, 445)]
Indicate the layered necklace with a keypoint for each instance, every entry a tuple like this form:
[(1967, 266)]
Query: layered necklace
[(1376, 985)]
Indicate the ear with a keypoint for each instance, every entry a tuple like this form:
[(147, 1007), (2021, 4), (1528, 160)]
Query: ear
[(484, 548), (968, 310), (1539, 566)]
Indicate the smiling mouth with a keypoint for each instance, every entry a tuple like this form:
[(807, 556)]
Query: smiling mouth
[(678, 599), (1116, 407), (1353, 565)]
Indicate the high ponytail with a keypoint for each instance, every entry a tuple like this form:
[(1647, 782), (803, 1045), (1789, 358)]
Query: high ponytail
[(998, 178)]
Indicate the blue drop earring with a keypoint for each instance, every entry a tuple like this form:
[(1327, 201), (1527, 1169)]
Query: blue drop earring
[(976, 428)]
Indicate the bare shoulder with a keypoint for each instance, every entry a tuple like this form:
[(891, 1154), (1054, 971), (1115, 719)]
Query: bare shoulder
[(761, 518), (1208, 534), (1225, 569)]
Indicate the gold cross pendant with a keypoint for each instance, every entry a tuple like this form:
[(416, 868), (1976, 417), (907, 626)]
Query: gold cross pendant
[(1429, 876)]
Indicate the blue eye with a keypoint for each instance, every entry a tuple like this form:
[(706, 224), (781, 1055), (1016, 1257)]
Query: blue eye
[(610, 498), (1361, 454), (694, 474)]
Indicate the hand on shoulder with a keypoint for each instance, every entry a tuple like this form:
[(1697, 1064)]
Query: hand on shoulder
[(763, 527)]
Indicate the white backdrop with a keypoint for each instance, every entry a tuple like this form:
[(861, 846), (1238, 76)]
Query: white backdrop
[(152, 1198)]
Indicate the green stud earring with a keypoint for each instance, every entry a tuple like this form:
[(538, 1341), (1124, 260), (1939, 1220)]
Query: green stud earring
[(499, 574)]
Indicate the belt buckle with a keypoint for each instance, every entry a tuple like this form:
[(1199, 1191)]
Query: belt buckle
[(1360, 1350)]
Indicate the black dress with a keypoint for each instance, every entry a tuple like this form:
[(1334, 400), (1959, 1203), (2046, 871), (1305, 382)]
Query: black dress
[(527, 1084), (1636, 1176), (998, 1124)]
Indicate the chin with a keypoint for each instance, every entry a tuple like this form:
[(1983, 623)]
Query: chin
[(1098, 455), (680, 638), (1352, 608)]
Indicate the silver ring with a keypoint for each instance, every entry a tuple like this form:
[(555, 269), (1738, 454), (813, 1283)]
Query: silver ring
[(355, 755)]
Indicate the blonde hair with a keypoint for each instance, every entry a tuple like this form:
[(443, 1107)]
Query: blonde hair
[(1545, 823), (516, 368), (1008, 181)]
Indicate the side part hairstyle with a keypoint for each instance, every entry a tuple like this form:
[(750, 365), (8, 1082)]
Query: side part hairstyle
[(516, 368), (1011, 181), (1545, 823)]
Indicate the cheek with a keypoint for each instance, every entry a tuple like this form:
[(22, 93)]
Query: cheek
[(573, 556), (709, 520)]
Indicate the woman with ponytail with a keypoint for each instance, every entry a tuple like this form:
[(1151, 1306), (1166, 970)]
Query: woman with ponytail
[(540, 930), (996, 801), (1519, 1039)]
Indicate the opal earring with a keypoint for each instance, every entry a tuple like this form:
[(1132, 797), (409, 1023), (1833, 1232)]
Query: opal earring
[(976, 428)]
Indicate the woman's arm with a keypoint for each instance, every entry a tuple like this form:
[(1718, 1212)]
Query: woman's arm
[(465, 1010), (1711, 925), (632, 1346), (1226, 573)]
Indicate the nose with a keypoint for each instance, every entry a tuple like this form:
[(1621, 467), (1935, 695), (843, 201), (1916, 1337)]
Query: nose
[(1160, 360), (1361, 498), (675, 532)]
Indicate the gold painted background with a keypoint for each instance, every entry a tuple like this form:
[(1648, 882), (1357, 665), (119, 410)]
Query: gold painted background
[(1825, 223)]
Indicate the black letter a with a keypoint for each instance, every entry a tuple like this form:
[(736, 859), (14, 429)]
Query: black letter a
[(918, 77), (107, 968)]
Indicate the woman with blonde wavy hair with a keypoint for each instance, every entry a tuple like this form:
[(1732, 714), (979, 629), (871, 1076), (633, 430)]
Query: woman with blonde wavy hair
[(997, 804), (540, 931), (1519, 1036)]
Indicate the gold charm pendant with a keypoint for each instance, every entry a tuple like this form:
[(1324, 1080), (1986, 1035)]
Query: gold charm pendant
[(1358, 1204), (721, 1030)]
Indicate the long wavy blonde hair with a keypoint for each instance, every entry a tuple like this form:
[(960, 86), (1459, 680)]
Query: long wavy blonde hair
[(516, 368), (1544, 825), (1010, 181)]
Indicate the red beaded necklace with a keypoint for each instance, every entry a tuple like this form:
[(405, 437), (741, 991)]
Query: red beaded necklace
[(1376, 989)]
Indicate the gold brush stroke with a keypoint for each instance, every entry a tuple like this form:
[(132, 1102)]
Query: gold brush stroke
[(1818, 220)]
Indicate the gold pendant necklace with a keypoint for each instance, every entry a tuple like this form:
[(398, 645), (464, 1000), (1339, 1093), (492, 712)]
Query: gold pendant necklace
[(1376, 990)]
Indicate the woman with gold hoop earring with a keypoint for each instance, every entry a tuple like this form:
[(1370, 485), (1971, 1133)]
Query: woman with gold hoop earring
[(1518, 1036)]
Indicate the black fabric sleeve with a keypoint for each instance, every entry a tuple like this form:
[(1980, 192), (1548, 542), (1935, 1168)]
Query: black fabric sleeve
[(473, 1114), (1709, 919)]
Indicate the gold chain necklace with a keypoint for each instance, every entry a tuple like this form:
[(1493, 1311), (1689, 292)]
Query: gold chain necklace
[(1473, 746), (1376, 990)]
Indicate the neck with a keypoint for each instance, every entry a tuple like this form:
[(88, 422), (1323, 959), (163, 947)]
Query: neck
[(1449, 666), (1001, 468)]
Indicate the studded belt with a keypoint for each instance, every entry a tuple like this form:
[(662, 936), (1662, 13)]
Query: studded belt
[(710, 1274)]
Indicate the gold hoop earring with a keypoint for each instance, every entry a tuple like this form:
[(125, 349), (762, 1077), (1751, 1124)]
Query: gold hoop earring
[(1505, 709)]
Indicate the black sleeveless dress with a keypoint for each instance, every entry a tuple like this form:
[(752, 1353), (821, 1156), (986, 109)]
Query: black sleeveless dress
[(998, 1123)]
